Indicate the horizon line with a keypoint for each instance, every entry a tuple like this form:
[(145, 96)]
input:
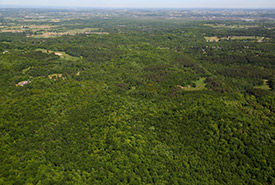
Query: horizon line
[(7, 6)]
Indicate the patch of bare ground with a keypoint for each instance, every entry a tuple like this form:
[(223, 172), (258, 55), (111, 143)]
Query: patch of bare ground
[(11, 31), (55, 77), (212, 39)]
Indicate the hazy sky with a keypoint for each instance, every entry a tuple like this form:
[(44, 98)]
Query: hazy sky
[(145, 3)]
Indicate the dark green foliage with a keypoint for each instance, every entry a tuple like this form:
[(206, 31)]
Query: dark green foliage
[(245, 72), (187, 62), (258, 92), (213, 84), (271, 83), (126, 108)]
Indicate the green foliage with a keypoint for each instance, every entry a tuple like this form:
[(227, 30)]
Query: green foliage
[(271, 83), (258, 92), (150, 103)]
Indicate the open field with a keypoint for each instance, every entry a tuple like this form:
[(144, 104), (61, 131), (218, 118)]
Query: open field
[(264, 86), (200, 85), (48, 31), (24, 28), (46, 35), (39, 26), (259, 39), (11, 31), (87, 31), (60, 54), (212, 39), (244, 38), (233, 26)]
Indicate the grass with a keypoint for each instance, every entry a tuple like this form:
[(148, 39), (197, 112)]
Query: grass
[(25, 70), (50, 34), (233, 26), (61, 54), (33, 28), (264, 86), (212, 39), (200, 85), (259, 39), (248, 38)]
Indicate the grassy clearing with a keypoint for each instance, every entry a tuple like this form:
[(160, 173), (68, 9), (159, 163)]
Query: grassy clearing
[(48, 31), (43, 27), (244, 38), (212, 39), (24, 28), (60, 54), (200, 85), (46, 35), (11, 31), (87, 31), (25, 70), (84, 30), (259, 39), (264, 86)]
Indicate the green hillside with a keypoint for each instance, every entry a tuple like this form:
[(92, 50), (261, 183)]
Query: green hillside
[(143, 100)]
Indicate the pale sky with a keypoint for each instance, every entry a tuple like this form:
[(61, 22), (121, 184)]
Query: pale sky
[(143, 3)]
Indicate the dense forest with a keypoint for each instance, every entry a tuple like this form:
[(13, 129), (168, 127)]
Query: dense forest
[(137, 97)]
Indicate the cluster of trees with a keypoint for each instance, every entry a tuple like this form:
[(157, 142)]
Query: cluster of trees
[(127, 110)]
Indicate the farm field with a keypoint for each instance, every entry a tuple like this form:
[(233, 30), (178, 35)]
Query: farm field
[(47, 31), (45, 34)]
